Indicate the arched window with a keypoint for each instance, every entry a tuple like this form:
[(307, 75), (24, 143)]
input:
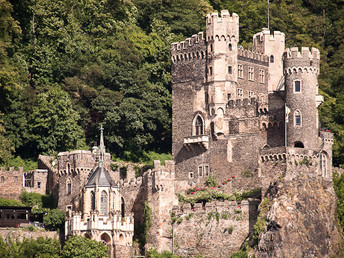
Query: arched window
[(298, 145), (122, 208), (323, 164), (69, 186), (103, 203), (198, 126), (297, 118), (93, 201), (230, 47), (272, 59)]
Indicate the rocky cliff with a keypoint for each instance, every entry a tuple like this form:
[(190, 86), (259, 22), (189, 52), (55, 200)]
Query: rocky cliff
[(301, 219)]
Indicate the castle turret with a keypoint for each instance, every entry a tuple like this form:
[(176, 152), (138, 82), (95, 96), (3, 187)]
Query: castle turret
[(273, 46), (301, 85)]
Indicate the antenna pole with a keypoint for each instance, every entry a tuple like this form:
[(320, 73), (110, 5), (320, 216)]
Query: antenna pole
[(268, 15)]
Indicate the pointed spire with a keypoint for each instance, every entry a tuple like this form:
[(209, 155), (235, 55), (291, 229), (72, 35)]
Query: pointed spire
[(101, 148)]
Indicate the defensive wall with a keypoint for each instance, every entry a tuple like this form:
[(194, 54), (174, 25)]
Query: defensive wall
[(216, 230)]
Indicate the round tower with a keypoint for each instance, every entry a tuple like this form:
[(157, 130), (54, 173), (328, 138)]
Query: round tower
[(301, 86)]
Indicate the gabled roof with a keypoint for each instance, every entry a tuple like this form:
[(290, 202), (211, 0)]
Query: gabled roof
[(99, 177)]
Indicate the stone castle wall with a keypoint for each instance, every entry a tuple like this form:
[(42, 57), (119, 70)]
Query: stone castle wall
[(11, 182), (216, 231)]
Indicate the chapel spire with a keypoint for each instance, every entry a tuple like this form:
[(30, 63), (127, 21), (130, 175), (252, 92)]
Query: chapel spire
[(101, 148)]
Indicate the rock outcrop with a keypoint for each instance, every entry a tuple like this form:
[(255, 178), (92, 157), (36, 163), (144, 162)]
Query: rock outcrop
[(301, 220)]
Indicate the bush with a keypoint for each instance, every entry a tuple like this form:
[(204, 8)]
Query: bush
[(230, 230), (165, 254), (211, 182), (54, 219), (82, 247), (247, 173), (10, 202), (40, 203)]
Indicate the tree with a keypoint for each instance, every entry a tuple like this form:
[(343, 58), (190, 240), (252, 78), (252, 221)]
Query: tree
[(54, 219), (54, 123), (78, 246), (6, 147)]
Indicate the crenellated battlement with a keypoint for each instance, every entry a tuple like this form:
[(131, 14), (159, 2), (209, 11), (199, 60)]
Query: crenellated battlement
[(188, 43), (265, 34), (326, 135), (214, 18), (252, 55), (239, 103), (11, 169), (305, 53)]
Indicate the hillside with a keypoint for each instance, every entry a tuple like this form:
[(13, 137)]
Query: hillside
[(67, 66)]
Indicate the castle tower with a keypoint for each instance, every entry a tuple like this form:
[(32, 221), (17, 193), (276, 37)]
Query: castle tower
[(301, 86), (222, 36), (273, 46)]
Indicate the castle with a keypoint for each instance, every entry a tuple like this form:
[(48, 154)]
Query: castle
[(248, 115)]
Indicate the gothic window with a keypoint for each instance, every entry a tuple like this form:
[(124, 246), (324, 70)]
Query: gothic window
[(103, 203), (93, 201), (272, 59), (69, 186), (240, 71), (198, 126), (251, 74), (323, 164), (261, 76), (297, 86), (297, 118)]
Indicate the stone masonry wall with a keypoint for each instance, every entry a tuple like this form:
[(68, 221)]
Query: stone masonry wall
[(217, 231), (20, 234), (11, 183)]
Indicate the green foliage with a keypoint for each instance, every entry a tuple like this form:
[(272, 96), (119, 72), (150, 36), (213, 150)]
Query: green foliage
[(40, 203), (224, 215), (10, 202), (240, 254), (78, 246), (54, 219), (338, 184), (27, 164), (147, 218), (189, 216), (155, 254), (6, 146), (246, 173), (210, 215), (258, 228), (211, 182), (180, 220), (150, 156), (230, 229), (217, 216)]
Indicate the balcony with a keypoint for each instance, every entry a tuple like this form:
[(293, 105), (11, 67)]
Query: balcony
[(319, 99), (197, 140)]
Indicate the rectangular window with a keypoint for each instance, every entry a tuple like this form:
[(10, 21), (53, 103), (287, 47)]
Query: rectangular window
[(38, 184), (239, 92), (200, 171), (261, 76), (191, 175), (251, 74), (206, 170), (16, 179), (250, 94), (230, 69), (2, 179), (229, 96), (240, 71), (297, 120), (210, 70), (297, 85)]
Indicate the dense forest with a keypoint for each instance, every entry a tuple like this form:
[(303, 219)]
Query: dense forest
[(67, 66)]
